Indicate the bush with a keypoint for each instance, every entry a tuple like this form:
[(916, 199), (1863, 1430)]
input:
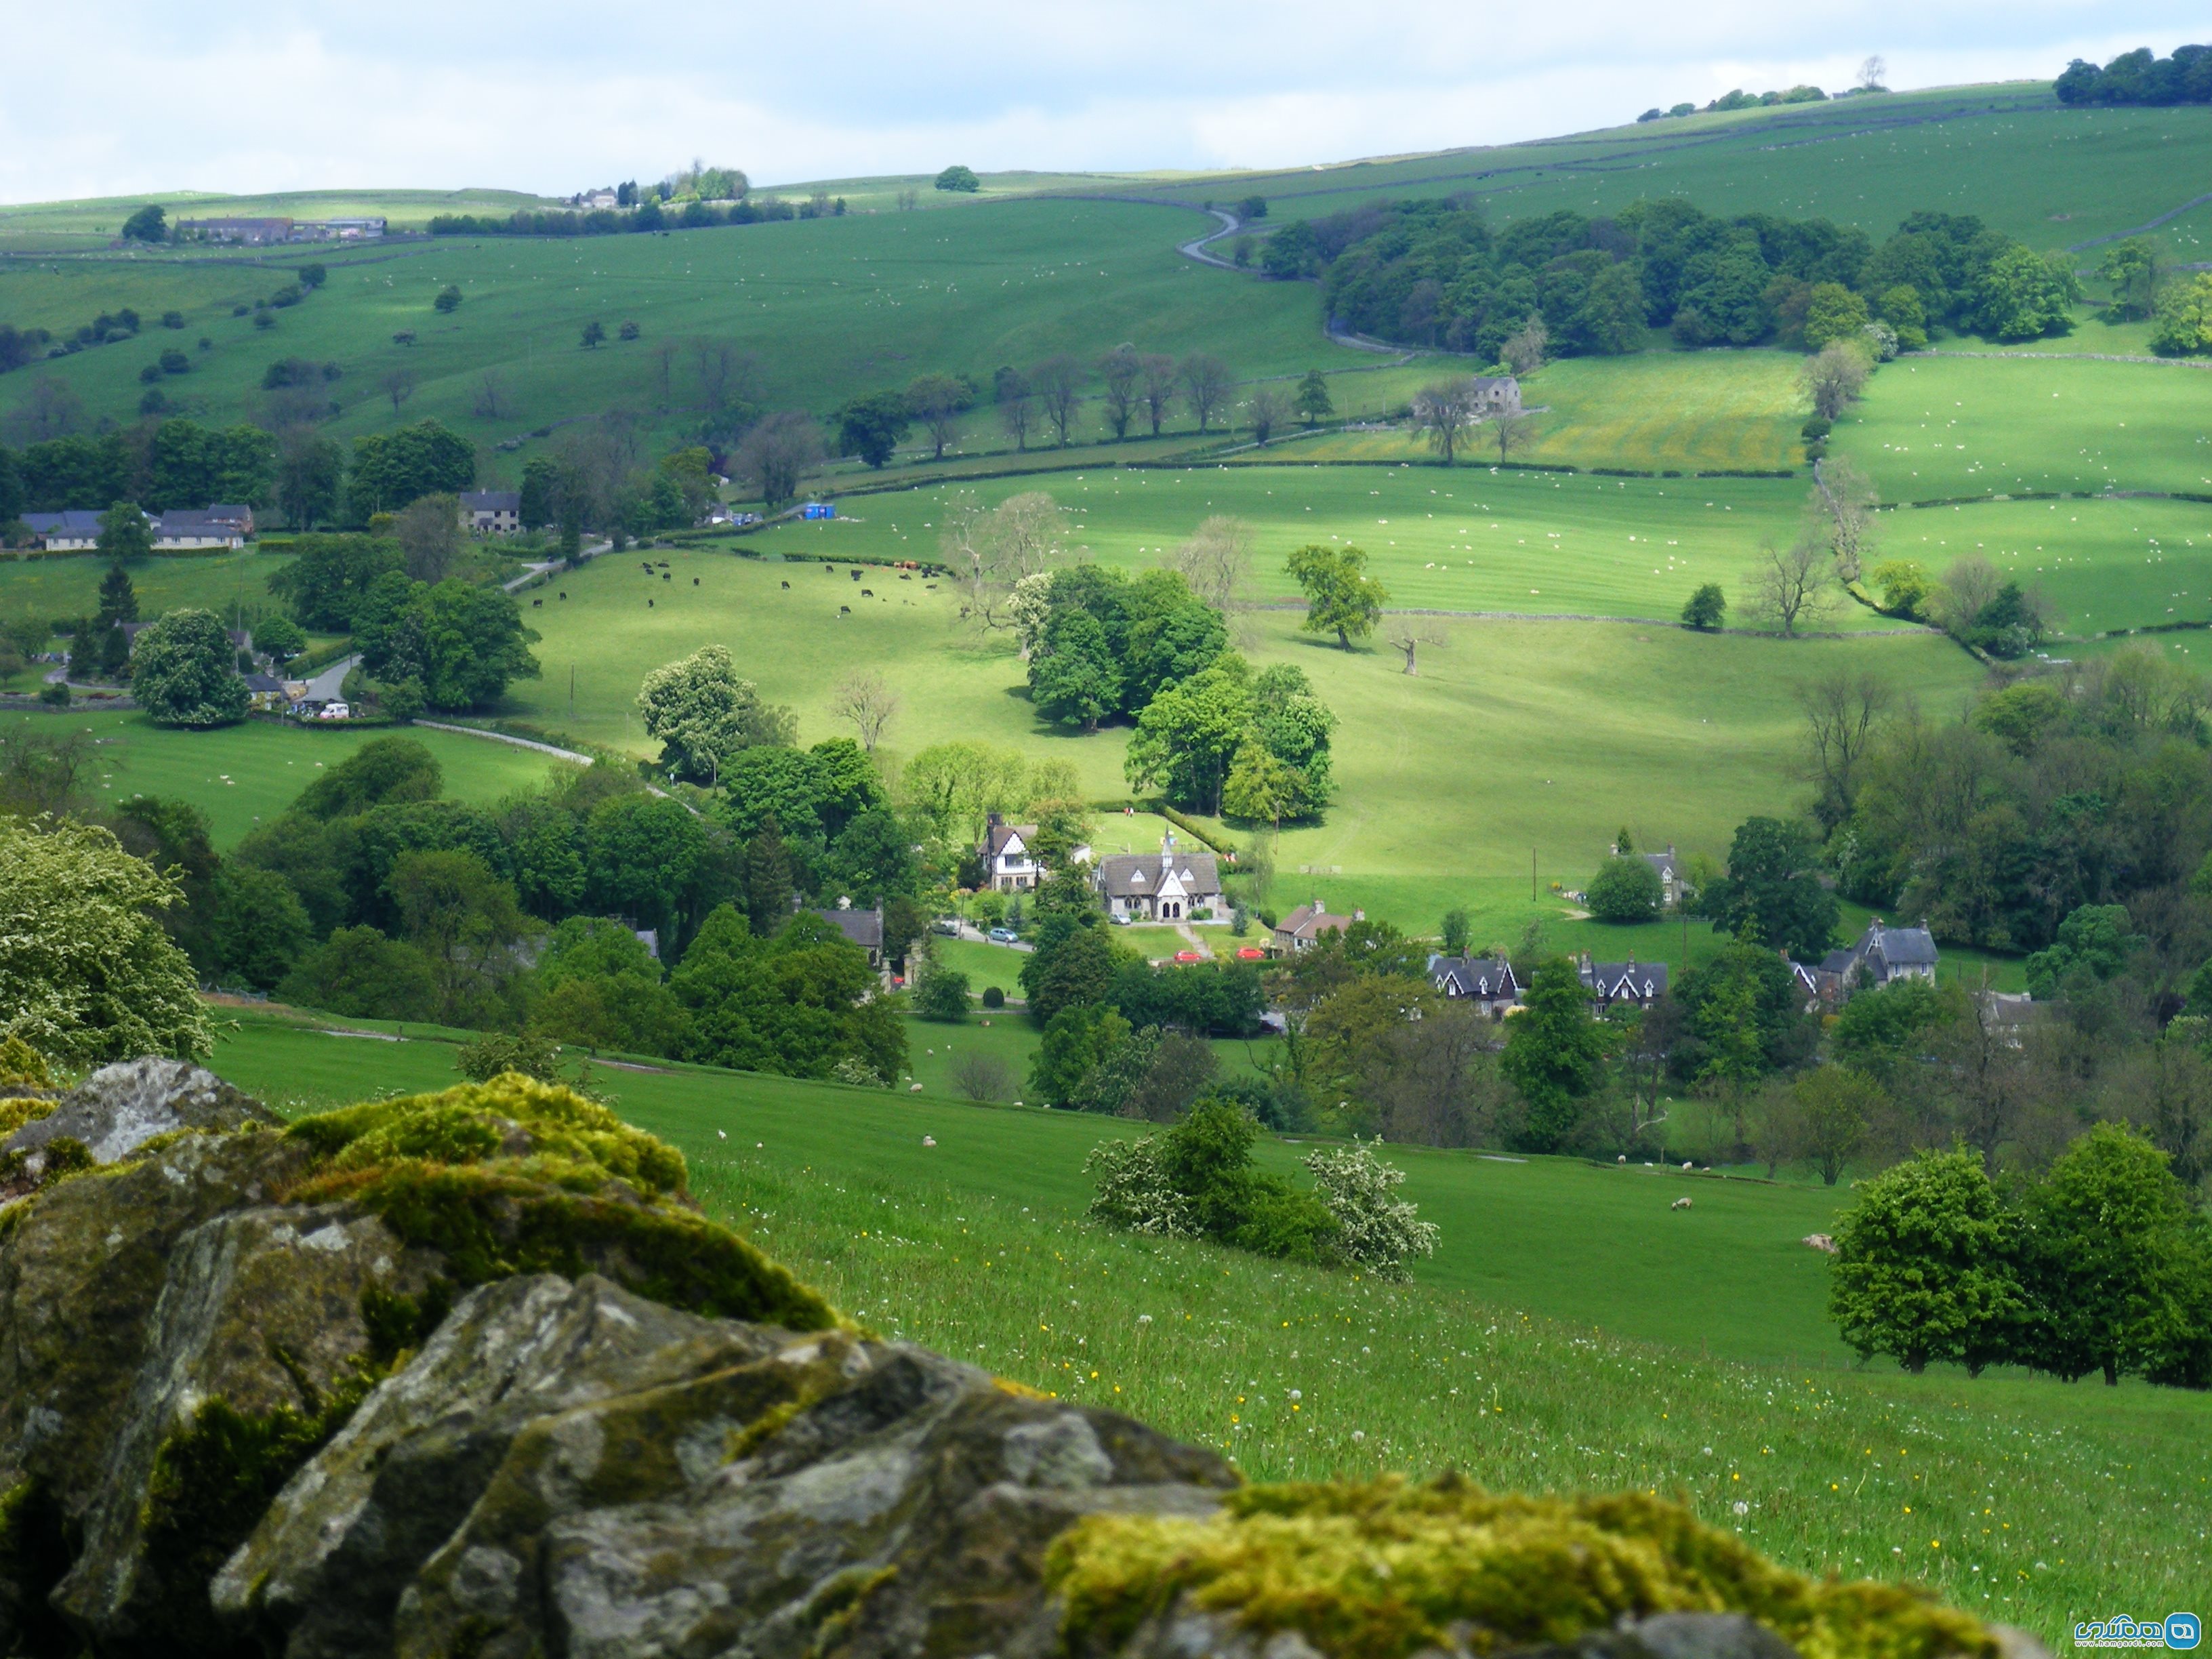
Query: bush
[(495, 1054), (940, 993), (981, 1077), (1705, 608), (1625, 890), (993, 997)]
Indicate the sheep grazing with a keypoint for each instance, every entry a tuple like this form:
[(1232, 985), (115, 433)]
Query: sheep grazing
[(1680, 1204), (1820, 1241)]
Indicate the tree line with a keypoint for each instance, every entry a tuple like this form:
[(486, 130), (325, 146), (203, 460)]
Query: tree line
[(2140, 77), (1437, 273)]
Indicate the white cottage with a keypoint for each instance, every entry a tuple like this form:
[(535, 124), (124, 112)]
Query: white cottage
[(1168, 886)]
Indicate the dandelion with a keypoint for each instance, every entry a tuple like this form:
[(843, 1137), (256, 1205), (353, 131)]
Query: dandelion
[(1357, 1435)]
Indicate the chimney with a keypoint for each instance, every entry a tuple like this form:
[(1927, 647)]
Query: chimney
[(844, 901), (993, 820), (1317, 907)]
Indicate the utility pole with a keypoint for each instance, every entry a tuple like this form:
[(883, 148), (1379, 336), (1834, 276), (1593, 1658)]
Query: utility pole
[(1532, 875), (572, 690)]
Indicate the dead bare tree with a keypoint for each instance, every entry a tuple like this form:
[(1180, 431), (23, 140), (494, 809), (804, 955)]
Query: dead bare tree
[(1846, 501), (1523, 352), (1122, 372), (982, 1076), (1217, 562), (1410, 638), (491, 400), (865, 699), (1793, 586), (992, 550), (727, 374), (1058, 384), (1267, 408), (1512, 432), (399, 385)]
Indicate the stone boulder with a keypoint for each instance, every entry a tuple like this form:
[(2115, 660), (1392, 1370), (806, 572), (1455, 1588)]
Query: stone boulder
[(120, 1108)]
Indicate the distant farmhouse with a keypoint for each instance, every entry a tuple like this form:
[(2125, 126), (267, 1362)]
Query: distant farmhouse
[(1304, 927), (862, 927), (180, 530), (1168, 886), (1878, 955), (1498, 394), (491, 511), (1674, 879), (1639, 984), (1008, 864), (261, 233)]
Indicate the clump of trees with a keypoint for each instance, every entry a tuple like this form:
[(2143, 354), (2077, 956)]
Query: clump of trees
[(2100, 1266), (1437, 273), (1198, 1181), (2137, 77)]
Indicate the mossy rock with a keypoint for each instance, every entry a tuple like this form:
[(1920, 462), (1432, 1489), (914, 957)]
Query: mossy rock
[(1385, 1569), (517, 1176), (17, 1110)]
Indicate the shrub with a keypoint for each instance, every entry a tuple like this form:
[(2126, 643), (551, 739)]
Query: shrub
[(496, 1054), (940, 993), (993, 997), (982, 1076), (1625, 890), (1375, 1228), (1134, 1191), (1705, 608)]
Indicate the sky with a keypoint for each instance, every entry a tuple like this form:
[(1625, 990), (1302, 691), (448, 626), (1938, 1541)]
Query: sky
[(556, 96)]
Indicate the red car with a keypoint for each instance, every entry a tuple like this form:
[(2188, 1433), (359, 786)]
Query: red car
[(1188, 956)]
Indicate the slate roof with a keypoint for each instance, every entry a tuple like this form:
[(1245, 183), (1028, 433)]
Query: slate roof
[(1900, 947), (1137, 875), (72, 523), (864, 927), (999, 832), (491, 501), (1479, 977), (1617, 981)]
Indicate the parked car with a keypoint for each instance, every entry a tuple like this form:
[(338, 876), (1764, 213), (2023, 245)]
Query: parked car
[(1188, 956), (1004, 936), (948, 926)]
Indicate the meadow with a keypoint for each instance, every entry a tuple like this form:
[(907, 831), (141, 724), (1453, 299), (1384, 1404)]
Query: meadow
[(241, 776), (2001, 423), (829, 308), (2011, 153), (1515, 736), (1573, 1332), (69, 586)]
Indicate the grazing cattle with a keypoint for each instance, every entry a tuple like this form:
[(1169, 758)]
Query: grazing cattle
[(867, 593), (786, 584), (648, 605), (564, 593), (534, 604), (856, 573), (904, 577), (695, 581), (1680, 1204), (844, 609), (666, 577)]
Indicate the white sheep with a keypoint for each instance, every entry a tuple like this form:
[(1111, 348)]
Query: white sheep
[(1680, 1204)]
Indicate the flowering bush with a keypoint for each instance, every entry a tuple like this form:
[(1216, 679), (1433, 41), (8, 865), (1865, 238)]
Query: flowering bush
[(1378, 1230), (1134, 1192)]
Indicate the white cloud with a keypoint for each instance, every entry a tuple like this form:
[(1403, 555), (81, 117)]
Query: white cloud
[(250, 94)]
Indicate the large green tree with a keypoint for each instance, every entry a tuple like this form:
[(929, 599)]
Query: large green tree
[(1187, 737), (87, 973), (391, 469), (1554, 1055), (1772, 892), (124, 534), (1922, 1270), (184, 673), (799, 1003), (329, 577), (702, 714), (1341, 598)]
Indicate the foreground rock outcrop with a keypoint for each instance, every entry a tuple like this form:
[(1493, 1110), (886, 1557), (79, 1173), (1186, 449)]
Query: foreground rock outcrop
[(464, 1374)]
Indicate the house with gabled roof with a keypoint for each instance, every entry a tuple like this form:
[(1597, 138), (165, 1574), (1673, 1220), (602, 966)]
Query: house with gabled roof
[(1879, 955), (1487, 982), (1009, 864), (1171, 885), (1639, 983), (1674, 878), (1304, 927)]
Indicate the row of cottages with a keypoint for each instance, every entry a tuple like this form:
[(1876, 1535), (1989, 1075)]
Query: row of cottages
[(180, 530), (1493, 987), (263, 233)]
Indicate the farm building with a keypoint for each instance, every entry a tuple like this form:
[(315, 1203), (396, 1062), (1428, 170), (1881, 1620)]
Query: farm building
[(863, 928), (1878, 955), (491, 511), (65, 533), (1498, 394), (191, 529), (253, 233), (1674, 879), (1171, 886)]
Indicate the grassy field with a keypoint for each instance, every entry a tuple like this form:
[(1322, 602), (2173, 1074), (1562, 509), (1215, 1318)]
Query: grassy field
[(1551, 733), (1573, 1333), (1996, 423), (2011, 153), (1470, 539), (240, 776), (69, 586), (829, 308), (1654, 411)]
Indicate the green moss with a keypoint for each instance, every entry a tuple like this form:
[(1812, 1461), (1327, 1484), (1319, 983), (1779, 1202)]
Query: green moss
[(510, 1118), (1381, 1570), (15, 1112), (519, 1176), (63, 1158), (398, 1324), (212, 1481)]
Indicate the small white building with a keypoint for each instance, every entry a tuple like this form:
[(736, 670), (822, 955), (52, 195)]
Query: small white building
[(1168, 886)]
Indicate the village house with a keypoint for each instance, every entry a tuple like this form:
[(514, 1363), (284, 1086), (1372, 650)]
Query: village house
[(863, 928), (253, 233), (183, 530), (1008, 864), (63, 532), (1673, 880), (1878, 955), (1490, 985), (1168, 886), (491, 511), (265, 693), (1640, 983), (1498, 394), (1303, 929)]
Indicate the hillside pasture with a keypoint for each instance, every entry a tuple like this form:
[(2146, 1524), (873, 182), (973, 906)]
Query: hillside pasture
[(1471, 538), (1513, 1356), (69, 586), (1999, 424), (245, 775), (828, 308)]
